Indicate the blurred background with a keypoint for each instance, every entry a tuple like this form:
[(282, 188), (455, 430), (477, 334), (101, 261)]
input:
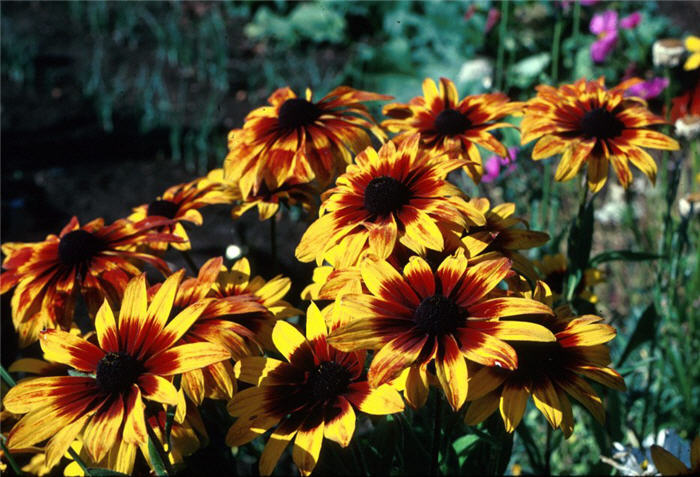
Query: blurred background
[(106, 104)]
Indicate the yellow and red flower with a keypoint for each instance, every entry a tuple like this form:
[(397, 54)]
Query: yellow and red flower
[(94, 260), (238, 281), (443, 317), (181, 203), (501, 234), (134, 359), (549, 372), (296, 137), (227, 321), (448, 125), (396, 195), (311, 396), (268, 202), (589, 124)]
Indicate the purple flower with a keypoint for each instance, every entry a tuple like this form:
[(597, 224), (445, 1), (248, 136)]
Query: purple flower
[(494, 163), (631, 21), (605, 25), (493, 16), (647, 89)]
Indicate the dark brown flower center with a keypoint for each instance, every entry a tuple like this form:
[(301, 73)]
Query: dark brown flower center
[(297, 112), (437, 315), (328, 381), (451, 122), (162, 208), (116, 372), (384, 195), (601, 124), (536, 357), (78, 247)]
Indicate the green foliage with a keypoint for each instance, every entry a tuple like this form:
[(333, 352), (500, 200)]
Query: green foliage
[(314, 22)]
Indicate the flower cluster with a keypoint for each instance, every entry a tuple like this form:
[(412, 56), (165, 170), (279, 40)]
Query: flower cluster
[(422, 286)]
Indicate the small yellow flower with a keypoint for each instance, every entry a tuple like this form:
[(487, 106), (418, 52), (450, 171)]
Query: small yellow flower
[(692, 44)]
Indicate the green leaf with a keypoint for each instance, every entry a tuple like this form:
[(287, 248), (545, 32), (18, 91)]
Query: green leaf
[(583, 64), (581, 238), (462, 445), (80, 374), (623, 255), (645, 330), (9, 380), (156, 460), (318, 23), (579, 246), (523, 73)]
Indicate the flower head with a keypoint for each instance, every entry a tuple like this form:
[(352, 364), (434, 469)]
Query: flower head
[(311, 395), (495, 163), (94, 259), (222, 322), (504, 234), (238, 281), (267, 201), (396, 195), (443, 317), (301, 139), (605, 26), (134, 358), (648, 89), (448, 125), (692, 44), (549, 371), (181, 203), (589, 124)]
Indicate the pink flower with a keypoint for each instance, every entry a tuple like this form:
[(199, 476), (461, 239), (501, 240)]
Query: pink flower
[(493, 16), (631, 21), (493, 165), (647, 89), (605, 25)]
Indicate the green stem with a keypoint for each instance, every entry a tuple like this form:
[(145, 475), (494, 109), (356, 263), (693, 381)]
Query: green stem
[(546, 195), (157, 453), (571, 282), (548, 450), (501, 45), (76, 457), (6, 377), (435, 449), (10, 459), (663, 179), (170, 416), (190, 263), (556, 44)]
